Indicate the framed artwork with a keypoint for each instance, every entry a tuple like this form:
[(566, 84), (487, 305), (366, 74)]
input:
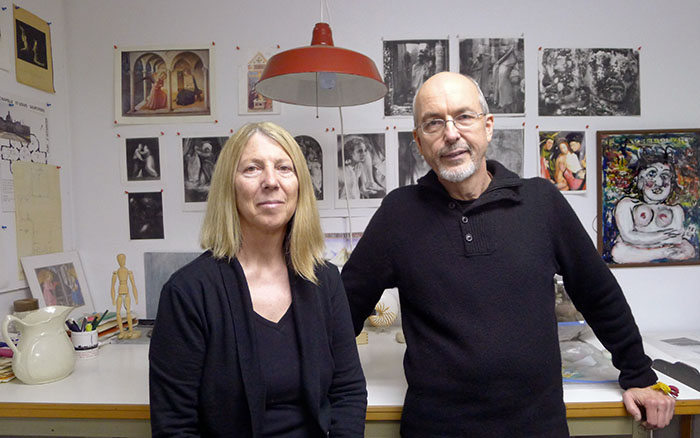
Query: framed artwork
[(156, 85), (361, 174), (506, 147), (498, 65), (146, 215), (412, 165), (250, 102), (320, 170), (141, 160), (199, 156), (33, 59), (589, 82), (648, 197), (58, 280), (562, 159), (407, 64)]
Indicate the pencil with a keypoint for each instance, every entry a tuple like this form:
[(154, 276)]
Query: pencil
[(101, 318)]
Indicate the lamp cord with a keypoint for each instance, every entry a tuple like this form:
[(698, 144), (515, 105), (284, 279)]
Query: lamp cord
[(345, 175)]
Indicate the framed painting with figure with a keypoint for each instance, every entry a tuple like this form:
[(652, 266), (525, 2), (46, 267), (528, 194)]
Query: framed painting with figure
[(161, 85), (648, 197), (58, 279)]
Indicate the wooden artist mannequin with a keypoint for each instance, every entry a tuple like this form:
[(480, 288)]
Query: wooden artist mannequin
[(123, 275)]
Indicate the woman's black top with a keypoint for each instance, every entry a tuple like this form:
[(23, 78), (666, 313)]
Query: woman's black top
[(285, 414)]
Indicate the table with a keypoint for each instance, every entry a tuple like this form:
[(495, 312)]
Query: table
[(108, 396)]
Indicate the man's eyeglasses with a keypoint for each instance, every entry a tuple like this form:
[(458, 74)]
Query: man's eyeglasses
[(461, 122)]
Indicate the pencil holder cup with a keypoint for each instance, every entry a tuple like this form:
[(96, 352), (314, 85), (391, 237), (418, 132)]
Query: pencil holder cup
[(85, 344)]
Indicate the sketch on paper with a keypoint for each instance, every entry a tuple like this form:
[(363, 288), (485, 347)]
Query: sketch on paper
[(199, 156), (562, 159), (23, 133), (589, 82), (649, 197), (498, 66), (407, 64)]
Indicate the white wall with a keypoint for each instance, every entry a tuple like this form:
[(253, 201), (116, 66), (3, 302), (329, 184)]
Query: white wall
[(661, 297), (59, 132)]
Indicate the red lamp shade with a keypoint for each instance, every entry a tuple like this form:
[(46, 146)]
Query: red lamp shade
[(321, 75)]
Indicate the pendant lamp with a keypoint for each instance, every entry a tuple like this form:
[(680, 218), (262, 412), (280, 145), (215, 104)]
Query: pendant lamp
[(321, 75)]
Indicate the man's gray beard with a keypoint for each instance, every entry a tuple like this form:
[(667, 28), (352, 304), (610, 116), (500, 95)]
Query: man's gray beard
[(460, 174)]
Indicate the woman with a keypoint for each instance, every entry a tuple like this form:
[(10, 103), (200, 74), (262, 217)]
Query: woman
[(254, 338), (158, 98), (360, 171)]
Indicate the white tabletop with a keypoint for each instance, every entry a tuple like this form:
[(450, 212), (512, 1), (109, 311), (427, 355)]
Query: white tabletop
[(119, 375)]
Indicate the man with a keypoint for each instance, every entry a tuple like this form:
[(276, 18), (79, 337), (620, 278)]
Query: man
[(473, 250)]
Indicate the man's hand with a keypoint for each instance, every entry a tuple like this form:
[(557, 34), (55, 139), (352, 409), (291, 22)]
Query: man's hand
[(650, 406)]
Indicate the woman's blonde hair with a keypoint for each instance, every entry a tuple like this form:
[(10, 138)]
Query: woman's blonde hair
[(221, 230)]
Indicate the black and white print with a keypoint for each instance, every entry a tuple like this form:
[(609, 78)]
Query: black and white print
[(497, 65), (146, 215), (589, 82), (407, 64)]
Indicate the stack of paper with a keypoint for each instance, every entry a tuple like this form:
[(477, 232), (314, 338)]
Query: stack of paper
[(6, 373)]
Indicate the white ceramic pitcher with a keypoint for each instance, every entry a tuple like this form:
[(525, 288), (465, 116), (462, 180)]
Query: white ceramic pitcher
[(44, 353)]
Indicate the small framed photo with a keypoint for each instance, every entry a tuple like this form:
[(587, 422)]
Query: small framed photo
[(58, 280), (648, 196), (164, 85), (141, 160)]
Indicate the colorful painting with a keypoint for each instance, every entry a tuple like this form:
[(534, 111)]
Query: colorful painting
[(163, 85), (58, 279), (648, 196), (563, 159)]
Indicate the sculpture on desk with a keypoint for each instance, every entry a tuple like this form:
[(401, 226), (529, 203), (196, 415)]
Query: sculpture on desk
[(123, 296)]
